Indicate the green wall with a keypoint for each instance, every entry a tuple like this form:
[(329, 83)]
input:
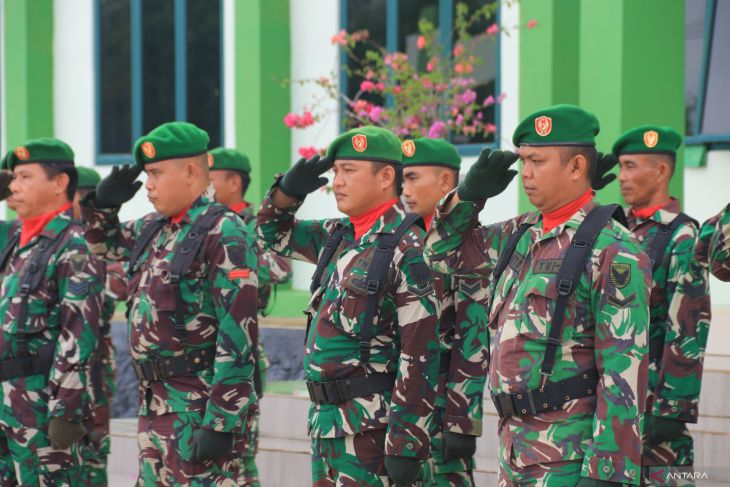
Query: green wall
[(621, 59), (262, 59)]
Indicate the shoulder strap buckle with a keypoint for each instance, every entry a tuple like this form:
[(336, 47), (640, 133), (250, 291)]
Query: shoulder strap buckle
[(565, 287), (373, 286)]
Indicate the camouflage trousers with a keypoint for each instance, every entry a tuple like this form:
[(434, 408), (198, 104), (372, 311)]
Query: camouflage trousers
[(351, 460), (27, 459), (249, 471), (553, 474), (437, 471), (165, 446), (96, 450), (678, 452)]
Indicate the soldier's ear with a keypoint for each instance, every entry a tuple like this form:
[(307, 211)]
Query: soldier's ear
[(578, 167)]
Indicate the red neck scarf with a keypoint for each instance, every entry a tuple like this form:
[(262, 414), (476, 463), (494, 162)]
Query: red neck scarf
[(238, 207), (554, 218), (178, 218), (647, 212), (428, 220), (365, 221), (32, 227)]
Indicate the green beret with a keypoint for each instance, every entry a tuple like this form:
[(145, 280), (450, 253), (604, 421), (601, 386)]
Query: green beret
[(648, 139), (230, 159), (171, 140), (88, 178), (368, 144), (44, 151), (558, 125), (430, 152)]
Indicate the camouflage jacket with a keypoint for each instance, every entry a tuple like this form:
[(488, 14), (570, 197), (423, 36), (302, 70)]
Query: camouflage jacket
[(464, 338), (219, 291), (65, 310), (273, 269), (680, 316), (713, 246), (605, 327), (405, 342)]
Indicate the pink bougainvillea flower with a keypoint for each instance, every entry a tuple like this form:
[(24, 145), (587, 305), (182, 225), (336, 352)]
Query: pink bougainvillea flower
[(501, 97), (458, 49), (532, 24), (468, 97), (396, 90), (380, 86), (375, 113), (437, 130), (429, 66), (490, 128), (291, 120), (492, 29), (367, 85), (488, 101), (308, 152), (307, 120), (459, 68), (421, 42), (340, 38)]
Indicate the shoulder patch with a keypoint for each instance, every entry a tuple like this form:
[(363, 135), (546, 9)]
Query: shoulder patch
[(78, 263), (620, 275), (78, 288)]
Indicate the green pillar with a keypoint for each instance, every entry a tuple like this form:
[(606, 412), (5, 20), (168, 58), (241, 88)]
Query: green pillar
[(28, 55), (262, 62), (622, 60)]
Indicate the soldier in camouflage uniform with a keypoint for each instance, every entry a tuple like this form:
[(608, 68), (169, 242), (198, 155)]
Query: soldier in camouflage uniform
[(430, 172), (103, 367), (50, 305), (570, 398), (680, 301), (230, 175), (192, 330), (372, 383), (713, 246)]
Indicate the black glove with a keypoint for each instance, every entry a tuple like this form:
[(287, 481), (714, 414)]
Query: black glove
[(601, 178), (210, 445), (305, 176), (489, 176), (6, 177), (63, 433), (660, 430), (586, 482), (457, 445), (118, 187), (403, 471)]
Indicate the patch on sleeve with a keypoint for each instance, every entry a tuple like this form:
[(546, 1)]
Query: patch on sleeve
[(78, 288), (239, 274), (620, 275), (621, 303), (422, 279), (78, 263)]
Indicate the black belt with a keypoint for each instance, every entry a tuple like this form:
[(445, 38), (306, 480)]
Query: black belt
[(548, 398), (189, 364), (341, 390), (40, 363), (445, 362), (656, 347)]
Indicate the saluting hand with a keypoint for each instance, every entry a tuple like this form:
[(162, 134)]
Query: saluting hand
[(605, 163), (118, 187), (6, 177), (489, 176), (305, 176)]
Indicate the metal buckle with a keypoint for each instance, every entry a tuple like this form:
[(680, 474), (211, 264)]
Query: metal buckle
[(317, 393), (564, 287), (373, 286), (506, 405)]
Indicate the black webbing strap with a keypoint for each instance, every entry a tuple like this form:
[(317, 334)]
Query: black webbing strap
[(330, 246), (184, 253), (581, 246), (658, 246), (504, 259), (40, 363), (8, 250), (376, 278), (190, 364), (145, 237), (341, 390), (29, 282)]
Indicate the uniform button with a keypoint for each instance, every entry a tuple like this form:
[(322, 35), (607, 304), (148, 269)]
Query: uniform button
[(619, 236), (692, 412), (632, 472), (674, 409), (409, 446), (218, 420), (238, 423), (606, 469)]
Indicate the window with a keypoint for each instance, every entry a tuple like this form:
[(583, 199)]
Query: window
[(707, 71), (394, 24), (156, 61)]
